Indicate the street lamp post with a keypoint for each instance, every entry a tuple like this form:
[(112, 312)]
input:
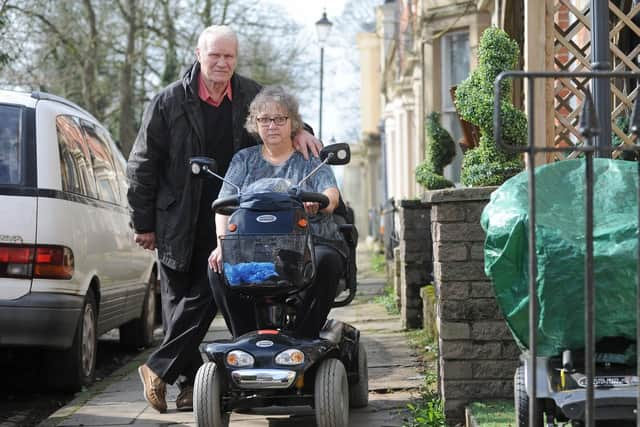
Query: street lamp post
[(323, 27)]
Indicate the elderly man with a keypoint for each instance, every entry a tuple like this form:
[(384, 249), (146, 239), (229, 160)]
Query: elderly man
[(200, 115)]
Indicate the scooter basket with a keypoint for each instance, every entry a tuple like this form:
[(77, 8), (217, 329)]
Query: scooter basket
[(266, 260)]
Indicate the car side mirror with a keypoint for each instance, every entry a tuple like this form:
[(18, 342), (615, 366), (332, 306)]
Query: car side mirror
[(338, 154), (201, 164)]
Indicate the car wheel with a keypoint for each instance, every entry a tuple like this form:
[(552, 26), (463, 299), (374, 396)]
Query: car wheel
[(331, 394), (521, 401), (359, 392), (74, 368), (138, 332), (207, 397)]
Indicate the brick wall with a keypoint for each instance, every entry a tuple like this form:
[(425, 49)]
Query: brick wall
[(414, 259), (478, 356)]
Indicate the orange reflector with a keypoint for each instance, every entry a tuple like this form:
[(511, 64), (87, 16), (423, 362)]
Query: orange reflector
[(268, 332), (302, 223), (233, 227), (300, 381), (54, 262), (297, 357)]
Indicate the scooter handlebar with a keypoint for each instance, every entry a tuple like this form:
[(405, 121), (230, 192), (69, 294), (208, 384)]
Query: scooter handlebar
[(320, 198), (228, 205), (225, 205)]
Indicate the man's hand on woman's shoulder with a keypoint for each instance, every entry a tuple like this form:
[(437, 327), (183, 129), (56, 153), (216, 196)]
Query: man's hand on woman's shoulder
[(305, 142)]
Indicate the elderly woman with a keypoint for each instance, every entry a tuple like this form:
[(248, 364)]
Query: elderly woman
[(274, 118)]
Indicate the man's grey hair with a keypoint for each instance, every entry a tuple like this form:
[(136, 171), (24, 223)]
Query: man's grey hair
[(274, 95), (218, 31)]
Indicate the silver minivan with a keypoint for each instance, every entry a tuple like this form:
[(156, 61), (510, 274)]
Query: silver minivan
[(69, 268)]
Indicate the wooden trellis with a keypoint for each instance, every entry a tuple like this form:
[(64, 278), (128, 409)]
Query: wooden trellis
[(572, 52)]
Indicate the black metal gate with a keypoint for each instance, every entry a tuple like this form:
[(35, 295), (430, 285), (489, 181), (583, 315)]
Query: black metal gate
[(592, 129)]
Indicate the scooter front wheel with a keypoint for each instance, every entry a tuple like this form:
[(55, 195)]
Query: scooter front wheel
[(207, 398), (331, 394), (521, 401)]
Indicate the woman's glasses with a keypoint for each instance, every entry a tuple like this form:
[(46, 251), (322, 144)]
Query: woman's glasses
[(266, 121)]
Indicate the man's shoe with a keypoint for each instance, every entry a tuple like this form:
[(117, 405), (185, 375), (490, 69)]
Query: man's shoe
[(184, 401), (155, 390)]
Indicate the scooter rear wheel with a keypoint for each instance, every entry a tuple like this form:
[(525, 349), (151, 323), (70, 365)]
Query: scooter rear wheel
[(359, 392), (207, 398), (331, 394)]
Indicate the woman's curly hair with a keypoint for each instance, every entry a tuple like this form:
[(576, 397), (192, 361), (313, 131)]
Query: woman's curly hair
[(270, 95)]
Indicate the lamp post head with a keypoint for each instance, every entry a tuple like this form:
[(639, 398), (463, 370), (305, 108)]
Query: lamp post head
[(323, 27)]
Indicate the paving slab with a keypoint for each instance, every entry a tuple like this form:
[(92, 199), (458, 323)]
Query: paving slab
[(394, 378)]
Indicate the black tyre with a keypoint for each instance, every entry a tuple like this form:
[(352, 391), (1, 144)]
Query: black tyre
[(138, 332), (207, 398), (331, 394), (359, 392), (70, 370), (521, 401)]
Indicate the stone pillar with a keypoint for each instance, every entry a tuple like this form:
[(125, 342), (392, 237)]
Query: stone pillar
[(478, 355), (415, 259)]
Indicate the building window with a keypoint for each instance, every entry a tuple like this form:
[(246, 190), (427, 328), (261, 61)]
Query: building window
[(455, 68)]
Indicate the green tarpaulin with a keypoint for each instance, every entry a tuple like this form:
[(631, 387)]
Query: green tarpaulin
[(560, 250)]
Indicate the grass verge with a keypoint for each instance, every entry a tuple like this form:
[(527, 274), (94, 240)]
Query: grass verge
[(388, 300), (378, 262), (495, 413)]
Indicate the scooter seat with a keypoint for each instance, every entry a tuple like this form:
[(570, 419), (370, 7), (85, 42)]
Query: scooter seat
[(332, 331)]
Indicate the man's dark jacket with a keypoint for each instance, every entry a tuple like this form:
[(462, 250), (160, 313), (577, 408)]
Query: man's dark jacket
[(163, 195)]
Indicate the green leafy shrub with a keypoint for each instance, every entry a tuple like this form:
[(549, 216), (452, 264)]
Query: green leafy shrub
[(439, 152), (428, 409), (622, 121), (488, 164), (429, 413)]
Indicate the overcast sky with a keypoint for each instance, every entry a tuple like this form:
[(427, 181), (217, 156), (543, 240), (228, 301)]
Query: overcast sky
[(306, 13)]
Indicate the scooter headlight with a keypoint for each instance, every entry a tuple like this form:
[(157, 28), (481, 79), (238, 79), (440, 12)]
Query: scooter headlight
[(240, 359), (291, 356)]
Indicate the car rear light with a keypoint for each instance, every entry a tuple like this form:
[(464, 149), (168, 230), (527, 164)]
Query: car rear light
[(53, 262), (16, 261), (41, 261)]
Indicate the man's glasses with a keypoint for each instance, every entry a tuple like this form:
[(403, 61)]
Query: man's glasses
[(266, 121)]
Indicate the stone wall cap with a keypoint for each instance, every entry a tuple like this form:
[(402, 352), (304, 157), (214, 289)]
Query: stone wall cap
[(412, 204), (457, 194)]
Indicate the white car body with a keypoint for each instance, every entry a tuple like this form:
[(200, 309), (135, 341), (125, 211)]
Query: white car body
[(39, 208)]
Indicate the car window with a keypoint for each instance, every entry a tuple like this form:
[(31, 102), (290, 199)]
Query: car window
[(121, 168), (10, 149), (75, 159), (103, 167)]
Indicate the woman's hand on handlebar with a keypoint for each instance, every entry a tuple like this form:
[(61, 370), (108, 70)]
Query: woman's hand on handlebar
[(311, 207), (215, 260)]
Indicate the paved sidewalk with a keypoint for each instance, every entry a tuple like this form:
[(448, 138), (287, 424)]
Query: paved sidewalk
[(393, 377)]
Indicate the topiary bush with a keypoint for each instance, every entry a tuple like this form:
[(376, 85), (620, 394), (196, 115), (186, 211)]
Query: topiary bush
[(488, 164), (622, 121), (439, 152)]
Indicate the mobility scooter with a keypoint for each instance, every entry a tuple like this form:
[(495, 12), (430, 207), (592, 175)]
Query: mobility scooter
[(561, 373), (561, 248), (268, 257)]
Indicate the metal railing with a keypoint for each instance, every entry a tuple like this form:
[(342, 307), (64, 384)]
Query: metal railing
[(590, 130)]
